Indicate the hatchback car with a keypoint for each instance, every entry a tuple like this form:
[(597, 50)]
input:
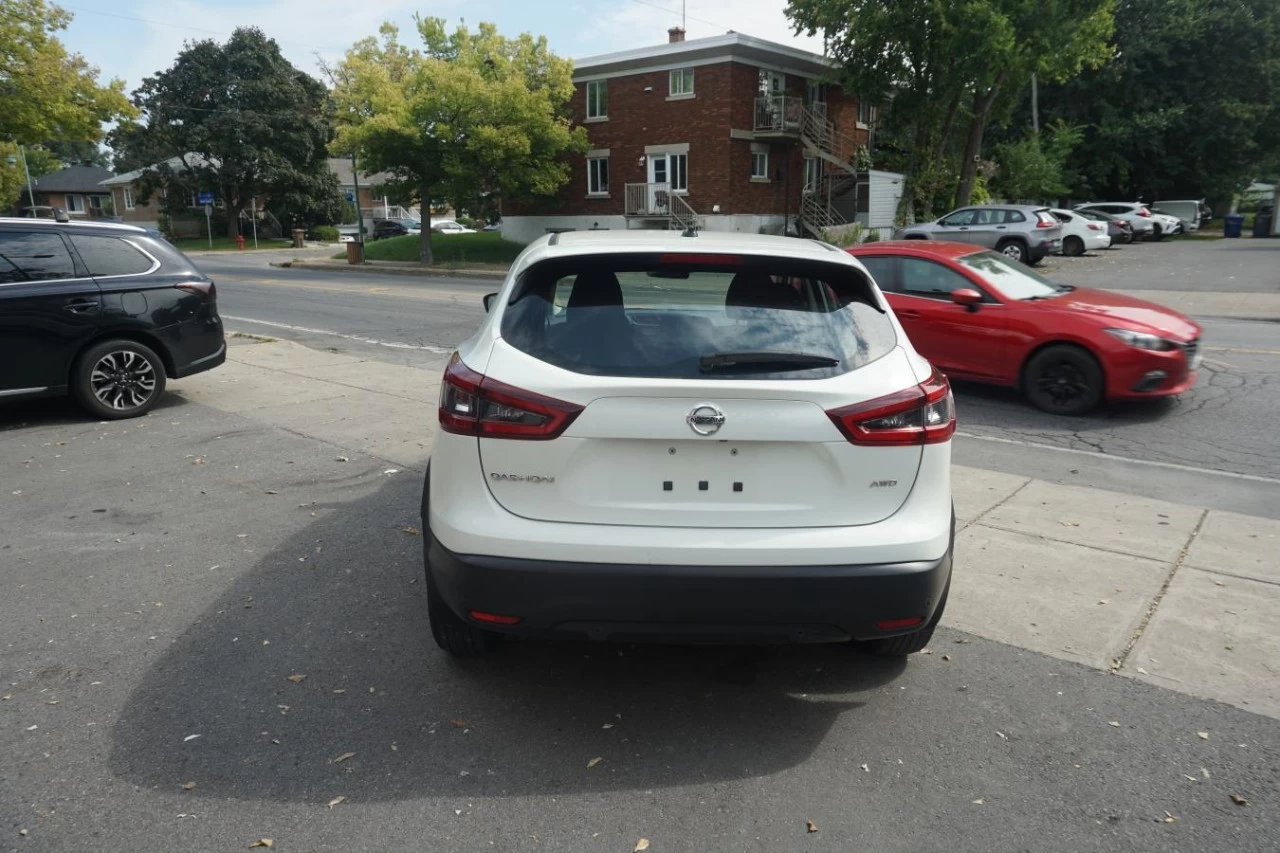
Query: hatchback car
[(979, 317), (1081, 234), (1118, 229), (1024, 233), (1137, 215), (107, 313), (708, 438)]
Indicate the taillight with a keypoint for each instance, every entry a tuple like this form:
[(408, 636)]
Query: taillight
[(204, 289), (1143, 212), (1044, 220), (923, 414), (1093, 226), (472, 404)]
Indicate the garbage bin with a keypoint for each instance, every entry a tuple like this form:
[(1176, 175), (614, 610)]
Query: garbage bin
[(355, 252), (1262, 224), (299, 236), (1232, 225)]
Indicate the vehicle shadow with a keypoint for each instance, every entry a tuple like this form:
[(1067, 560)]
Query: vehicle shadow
[(63, 411), (381, 714)]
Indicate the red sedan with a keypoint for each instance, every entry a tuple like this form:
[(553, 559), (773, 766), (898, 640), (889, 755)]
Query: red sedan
[(978, 316)]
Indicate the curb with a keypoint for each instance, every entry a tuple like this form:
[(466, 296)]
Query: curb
[(375, 268)]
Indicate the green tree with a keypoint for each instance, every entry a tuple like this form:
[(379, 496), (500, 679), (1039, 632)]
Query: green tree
[(466, 115), (943, 65), (243, 121), (1190, 107), (1033, 169), (78, 152), (45, 92)]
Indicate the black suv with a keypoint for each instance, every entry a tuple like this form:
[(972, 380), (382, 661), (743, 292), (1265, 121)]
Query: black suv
[(104, 312), (388, 228)]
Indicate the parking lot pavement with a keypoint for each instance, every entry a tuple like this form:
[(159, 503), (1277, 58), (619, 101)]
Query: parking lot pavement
[(228, 593), (1179, 266)]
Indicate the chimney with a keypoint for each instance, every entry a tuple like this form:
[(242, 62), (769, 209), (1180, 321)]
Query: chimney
[(675, 34)]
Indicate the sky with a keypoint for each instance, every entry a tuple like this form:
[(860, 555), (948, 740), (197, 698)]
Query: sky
[(133, 39)]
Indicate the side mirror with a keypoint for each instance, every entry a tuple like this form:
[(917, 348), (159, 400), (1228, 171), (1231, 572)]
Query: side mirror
[(968, 297), (488, 301)]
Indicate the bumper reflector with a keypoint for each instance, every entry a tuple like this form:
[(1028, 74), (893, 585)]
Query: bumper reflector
[(898, 624), (493, 618)]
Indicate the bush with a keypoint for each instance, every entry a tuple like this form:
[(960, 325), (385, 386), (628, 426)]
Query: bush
[(324, 233), (466, 221)]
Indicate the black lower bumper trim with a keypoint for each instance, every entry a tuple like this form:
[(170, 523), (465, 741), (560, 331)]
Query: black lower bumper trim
[(812, 604)]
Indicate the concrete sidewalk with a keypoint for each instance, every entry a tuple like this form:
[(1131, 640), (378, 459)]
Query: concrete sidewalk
[(1169, 593), (493, 271)]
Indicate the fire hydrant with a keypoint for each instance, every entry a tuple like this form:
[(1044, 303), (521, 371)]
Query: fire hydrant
[(240, 242)]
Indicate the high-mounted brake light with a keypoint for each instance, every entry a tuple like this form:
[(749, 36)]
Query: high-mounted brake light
[(472, 404), (699, 259), (922, 414)]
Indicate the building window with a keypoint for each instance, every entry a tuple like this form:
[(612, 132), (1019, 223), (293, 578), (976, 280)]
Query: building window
[(681, 82), (866, 113), (759, 164), (772, 82), (75, 203), (128, 198), (597, 176), (679, 172), (598, 99)]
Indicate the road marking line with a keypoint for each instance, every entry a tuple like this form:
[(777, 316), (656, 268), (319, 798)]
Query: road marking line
[(332, 334), (1246, 350), (1154, 463)]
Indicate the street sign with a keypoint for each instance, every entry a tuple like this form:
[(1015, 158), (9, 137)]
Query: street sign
[(351, 196), (206, 197)]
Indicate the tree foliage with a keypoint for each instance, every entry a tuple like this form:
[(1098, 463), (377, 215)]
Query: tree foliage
[(464, 116), (243, 120), (45, 92), (1033, 169), (941, 67), (1190, 107)]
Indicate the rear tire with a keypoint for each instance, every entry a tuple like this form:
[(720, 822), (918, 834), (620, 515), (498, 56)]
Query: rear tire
[(909, 644), (1073, 246), (1013, 250), (1063, 379), (118, 379)]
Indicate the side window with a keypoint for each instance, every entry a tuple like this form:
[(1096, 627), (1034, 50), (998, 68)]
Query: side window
[(960, 217), (990, 216), (30, 256), (1014, 216), (925, 278), (883, 269), (106, 256)]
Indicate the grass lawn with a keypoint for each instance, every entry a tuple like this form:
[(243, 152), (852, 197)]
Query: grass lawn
[(483, 247), (226, 244)]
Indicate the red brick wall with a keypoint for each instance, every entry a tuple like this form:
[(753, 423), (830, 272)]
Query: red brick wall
[(719, 166), (149, 212)]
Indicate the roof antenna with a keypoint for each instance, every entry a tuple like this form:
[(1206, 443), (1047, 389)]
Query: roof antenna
[(682, 20)]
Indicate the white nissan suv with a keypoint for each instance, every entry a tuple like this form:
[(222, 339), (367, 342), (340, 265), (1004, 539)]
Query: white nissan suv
[(714, 437)]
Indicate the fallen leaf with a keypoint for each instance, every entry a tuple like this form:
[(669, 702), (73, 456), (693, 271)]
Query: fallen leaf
[(284, 709), (457, 811), (336, 801), (199, 460), (22, 832), (270, 492), (593, 762), (926, 651), (263, 842), (977, 802), (340, 691), (810, 826), (456, 721), (1202, 735), (643, 844), (51, 702), (1070, 524), (1219, 583), (344, 757), (1205, 772), (297, 678), (411, 530), (1189, 777), (189, 737), (391, 471), (946, 657), (1239, 800), (1103, 601), (1002, 735), (342, 459), (1115, 724), (1141, 671), (865, 768), (1169, 818), (188, 786), (607, 726), (962, 642)]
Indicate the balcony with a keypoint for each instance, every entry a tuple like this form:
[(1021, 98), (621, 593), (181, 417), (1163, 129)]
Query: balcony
[(648, 200), (778, 115)]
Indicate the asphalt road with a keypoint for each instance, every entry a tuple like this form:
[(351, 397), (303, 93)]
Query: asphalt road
[(213, 632), (1216, 442)]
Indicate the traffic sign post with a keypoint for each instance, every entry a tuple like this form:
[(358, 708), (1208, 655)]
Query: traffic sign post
[(206, 198)]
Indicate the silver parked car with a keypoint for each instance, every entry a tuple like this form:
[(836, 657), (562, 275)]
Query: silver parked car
[(1136, 214), (1021, 232)]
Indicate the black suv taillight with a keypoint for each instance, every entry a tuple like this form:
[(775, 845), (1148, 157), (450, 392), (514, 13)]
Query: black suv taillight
[(473, 404), (204, 289)]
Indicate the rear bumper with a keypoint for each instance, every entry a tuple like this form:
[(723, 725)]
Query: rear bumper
[(197, 344), (627, 602)]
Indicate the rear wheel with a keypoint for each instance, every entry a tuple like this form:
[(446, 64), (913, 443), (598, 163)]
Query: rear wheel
[(1013, 250), (1063, 379), (1073, 246), (118, 379)]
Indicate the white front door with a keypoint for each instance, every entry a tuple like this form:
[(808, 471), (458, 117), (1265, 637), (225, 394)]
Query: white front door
[(659, 183)]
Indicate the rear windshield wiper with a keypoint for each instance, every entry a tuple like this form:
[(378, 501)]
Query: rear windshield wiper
[(763, 361)]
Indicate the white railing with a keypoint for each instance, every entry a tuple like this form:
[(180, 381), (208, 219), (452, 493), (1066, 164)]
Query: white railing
[(648, 199), (683, 216), (779, 114)]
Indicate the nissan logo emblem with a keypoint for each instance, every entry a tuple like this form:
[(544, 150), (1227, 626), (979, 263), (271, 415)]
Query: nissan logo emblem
[(705, 419)]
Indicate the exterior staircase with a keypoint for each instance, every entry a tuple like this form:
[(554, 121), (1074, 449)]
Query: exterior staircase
[(837, 153)]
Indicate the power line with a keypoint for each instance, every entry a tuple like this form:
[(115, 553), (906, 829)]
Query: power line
[(681, 14)]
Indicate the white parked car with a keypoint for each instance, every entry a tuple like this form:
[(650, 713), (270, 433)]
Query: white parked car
[(1081, 234), (448, 226), (719, 436), (1145, 226)]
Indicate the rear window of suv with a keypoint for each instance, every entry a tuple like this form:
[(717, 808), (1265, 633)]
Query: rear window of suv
[(697, 316)]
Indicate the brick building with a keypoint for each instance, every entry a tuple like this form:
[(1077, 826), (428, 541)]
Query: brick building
[(75, 189), (730, 133)]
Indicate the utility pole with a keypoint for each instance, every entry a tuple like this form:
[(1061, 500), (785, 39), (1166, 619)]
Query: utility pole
[(355, 179), (1035, 106), (31, 194)]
